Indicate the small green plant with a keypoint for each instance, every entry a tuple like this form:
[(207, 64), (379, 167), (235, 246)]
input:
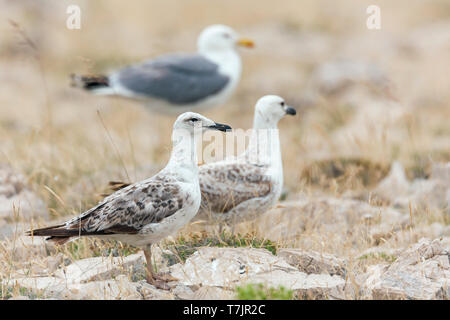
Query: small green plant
[(261, 292)]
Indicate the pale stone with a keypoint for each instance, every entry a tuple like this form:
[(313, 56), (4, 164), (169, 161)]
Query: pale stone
[(102, 268), (149, 292), (313, 262), (40, 267), (113, 289), (19, 298), (212, 293), (211, 266), (183, 292), (420, 272), (229, 267)]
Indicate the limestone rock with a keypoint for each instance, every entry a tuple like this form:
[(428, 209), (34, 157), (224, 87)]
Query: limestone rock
[(112, 289), (149, 292), (19, 298), (102, 268), (203, 293), (41, 267), (183, 292), (420, 272), (119, 288), (313, 262), (223, 267), (228, 267)]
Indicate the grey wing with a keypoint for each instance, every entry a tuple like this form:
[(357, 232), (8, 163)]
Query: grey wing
[(225, 186), (130, 209), (178, 79)]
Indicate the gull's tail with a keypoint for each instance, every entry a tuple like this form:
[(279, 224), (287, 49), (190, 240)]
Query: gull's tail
[(95, 83), (58, 233)]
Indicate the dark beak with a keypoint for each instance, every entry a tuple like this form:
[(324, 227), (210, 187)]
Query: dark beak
[(220, 127), (291, 111)]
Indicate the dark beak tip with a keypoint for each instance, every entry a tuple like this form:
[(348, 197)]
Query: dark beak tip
[(221, 127), (291, 111)]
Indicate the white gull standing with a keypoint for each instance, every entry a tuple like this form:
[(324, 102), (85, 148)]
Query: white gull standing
[(241, 188), (145, 212), (175, 83)]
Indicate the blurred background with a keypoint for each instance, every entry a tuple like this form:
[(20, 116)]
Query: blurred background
[(365, 98)]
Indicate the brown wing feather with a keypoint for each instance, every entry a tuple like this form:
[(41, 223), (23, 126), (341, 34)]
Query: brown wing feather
[(225, 186), (126, 211)]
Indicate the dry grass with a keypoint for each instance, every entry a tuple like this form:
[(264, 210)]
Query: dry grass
[(69, 144)]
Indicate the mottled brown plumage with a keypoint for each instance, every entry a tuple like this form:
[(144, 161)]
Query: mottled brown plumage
[(125, 211), (145, 212), (227, 186)]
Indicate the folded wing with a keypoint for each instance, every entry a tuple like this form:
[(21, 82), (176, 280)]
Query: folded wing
[(176, 78), (226, 185), (126, 211)]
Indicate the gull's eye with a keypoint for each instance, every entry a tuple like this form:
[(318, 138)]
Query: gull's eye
[(282, 103), (194, 119), (226, 36)]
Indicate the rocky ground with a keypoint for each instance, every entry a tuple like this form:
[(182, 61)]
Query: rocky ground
[(365, 211), (421, 270)]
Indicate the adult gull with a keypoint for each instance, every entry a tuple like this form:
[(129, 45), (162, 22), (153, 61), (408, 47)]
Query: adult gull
[(145, 212), (175, 83)]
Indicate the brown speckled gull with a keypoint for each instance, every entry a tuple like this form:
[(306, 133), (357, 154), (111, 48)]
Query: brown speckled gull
[(145, 212), (242, 188)]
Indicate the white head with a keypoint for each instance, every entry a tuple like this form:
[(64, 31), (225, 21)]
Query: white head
[(191, 121), (219, 37), (184, 133), (271, 109)]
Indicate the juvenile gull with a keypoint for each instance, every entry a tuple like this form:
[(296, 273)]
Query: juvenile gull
[(175, 83), (241, 188), (145, 212)]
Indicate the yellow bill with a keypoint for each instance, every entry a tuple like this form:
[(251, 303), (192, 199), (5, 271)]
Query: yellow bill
[(244, 42)]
